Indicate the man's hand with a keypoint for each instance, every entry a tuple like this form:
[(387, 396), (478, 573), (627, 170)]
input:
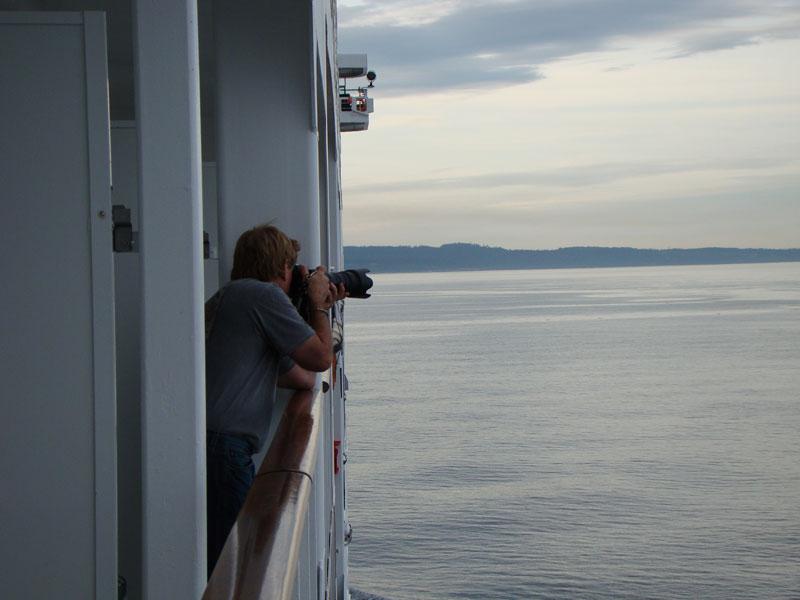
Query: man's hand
[(321, 292), (316, 353)]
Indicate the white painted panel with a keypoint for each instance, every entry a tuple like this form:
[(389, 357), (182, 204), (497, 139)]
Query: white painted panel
[(57, 446), (266, 146)]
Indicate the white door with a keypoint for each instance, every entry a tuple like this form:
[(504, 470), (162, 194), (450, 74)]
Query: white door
[(57, 431)]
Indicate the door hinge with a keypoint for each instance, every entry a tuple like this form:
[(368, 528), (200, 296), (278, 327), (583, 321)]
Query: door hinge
[(125, 238)]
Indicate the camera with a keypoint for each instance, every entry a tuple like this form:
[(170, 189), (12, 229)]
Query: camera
[(356, 284)]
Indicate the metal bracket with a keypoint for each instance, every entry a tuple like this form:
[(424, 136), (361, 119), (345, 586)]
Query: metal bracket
[(125, 238)]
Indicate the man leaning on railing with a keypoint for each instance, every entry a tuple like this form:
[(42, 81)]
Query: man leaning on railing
[(256, 341)]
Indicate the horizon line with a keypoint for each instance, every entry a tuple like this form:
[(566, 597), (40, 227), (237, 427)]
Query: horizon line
[(475, 244)]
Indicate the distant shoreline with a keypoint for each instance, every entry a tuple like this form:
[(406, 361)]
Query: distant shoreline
[(467, 269), (473, 257)]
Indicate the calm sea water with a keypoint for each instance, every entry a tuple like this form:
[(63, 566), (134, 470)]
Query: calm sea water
[(604, 433)]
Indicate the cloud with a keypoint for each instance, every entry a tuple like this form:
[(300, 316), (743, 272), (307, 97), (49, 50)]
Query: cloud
[(416, 46), (577, 176), (714, 40), (717, 41)]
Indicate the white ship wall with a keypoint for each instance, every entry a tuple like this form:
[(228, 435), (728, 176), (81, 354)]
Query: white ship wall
[(270, 125), (277, 148)]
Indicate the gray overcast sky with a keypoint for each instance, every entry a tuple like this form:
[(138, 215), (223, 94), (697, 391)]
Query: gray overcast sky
[(547, 123)]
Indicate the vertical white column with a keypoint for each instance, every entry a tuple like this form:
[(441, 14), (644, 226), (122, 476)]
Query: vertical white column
[(173, 370)]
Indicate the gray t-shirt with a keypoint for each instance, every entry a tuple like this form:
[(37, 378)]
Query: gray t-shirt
[(251, 327)]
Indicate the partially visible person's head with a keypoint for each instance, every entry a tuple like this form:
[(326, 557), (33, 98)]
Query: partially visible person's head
[(263, 253)]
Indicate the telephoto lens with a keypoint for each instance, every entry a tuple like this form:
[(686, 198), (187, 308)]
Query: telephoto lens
[(356, 283)]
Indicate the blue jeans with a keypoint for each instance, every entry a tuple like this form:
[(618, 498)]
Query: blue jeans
[(230, 473)]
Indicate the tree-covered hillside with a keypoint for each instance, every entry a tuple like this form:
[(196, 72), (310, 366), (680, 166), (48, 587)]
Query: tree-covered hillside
[(460, 256)]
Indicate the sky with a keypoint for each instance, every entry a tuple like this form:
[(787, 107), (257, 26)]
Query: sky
[(552, 123)]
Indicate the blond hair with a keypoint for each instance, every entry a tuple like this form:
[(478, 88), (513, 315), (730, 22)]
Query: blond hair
[(263, 253)]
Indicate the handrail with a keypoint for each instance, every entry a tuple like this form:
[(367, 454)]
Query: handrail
[(259, 560)]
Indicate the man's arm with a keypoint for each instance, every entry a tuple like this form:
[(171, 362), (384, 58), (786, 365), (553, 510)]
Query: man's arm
[(297, 378), (316, 353)]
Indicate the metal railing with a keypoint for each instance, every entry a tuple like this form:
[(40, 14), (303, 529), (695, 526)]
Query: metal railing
[(260, 558)]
